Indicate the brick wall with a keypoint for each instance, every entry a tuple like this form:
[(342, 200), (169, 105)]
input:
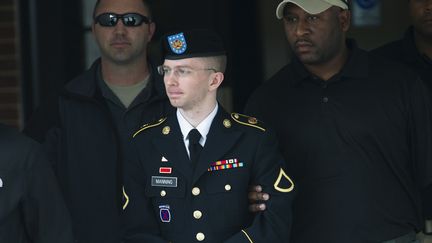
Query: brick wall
[(10, 102)]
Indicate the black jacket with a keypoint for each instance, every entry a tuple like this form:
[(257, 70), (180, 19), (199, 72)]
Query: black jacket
[(84, 145), (406, 52), (209, 202), (31, 207)]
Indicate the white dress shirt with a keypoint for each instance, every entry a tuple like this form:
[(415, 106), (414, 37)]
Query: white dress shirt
[(203, 128)]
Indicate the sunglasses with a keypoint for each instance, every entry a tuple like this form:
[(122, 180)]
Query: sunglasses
[(128, 19)]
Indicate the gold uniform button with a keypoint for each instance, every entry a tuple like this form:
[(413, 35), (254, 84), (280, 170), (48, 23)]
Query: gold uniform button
[(166, 130), (227, 123), (197, 214), (163, 193), (196, 191), (227, 187), (200, 236)]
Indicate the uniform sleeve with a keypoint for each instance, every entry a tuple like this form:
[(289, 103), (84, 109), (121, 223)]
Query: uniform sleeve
[(421, 141), (45, 215), (139, 222), (272, 225)]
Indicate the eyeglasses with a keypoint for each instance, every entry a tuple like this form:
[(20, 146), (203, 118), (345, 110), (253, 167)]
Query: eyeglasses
[(128, 19), (181, 72)]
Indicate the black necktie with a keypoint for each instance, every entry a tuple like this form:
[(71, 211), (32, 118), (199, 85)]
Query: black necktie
[(194, 146)]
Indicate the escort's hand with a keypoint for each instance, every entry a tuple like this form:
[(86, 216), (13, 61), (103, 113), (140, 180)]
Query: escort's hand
[(257, 199)]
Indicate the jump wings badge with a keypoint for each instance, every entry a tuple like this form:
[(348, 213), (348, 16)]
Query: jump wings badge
[(177, 43)]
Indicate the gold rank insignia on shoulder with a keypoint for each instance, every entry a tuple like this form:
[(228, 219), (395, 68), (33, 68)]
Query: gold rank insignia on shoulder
[(149, 125), (283, 183), (247, 121)]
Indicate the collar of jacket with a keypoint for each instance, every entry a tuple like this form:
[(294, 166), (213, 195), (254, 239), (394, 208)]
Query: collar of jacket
[(409, 48), (355, 67), (85, 85)]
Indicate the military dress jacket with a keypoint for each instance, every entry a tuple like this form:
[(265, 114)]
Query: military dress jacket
[(168, 200)]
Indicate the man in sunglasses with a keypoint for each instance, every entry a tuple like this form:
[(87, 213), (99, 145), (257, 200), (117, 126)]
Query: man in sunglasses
[(88, 139)]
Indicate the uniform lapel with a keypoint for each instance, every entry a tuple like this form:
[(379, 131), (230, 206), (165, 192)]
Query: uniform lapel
[(173, 149), (220, 140)]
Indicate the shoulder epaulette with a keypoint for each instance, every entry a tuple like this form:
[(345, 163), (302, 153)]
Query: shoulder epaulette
[(149, 125), (248, 121)]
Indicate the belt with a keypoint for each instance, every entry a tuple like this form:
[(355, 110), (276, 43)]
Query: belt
[(408, 238)]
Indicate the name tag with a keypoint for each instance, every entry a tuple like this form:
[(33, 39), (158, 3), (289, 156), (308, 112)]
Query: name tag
[(163, 181)]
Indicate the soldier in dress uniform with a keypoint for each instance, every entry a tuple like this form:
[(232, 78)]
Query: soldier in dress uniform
[(190, 180)]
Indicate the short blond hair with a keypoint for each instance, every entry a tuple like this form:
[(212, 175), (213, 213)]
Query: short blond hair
[(219, 63)]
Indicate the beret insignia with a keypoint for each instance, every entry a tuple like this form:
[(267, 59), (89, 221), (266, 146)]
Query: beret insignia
[(177, 43)]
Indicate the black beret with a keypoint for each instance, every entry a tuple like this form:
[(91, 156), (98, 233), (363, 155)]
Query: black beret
[(192, 43)]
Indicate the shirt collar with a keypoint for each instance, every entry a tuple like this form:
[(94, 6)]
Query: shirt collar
[(154, 89), (203, 127), (107, 93), (411, 53), (356, 65)]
